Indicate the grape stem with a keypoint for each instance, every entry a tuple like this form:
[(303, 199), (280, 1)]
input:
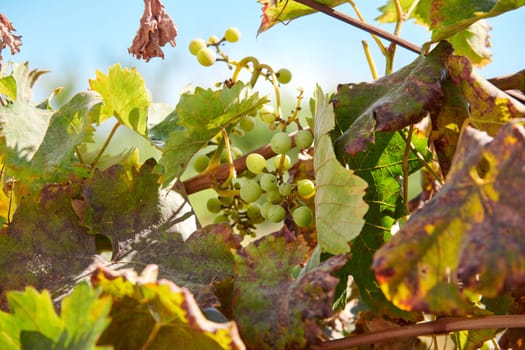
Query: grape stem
[(440, 326), (206, 180)]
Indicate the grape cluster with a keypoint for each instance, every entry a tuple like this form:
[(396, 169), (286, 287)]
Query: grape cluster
[(264, 191)]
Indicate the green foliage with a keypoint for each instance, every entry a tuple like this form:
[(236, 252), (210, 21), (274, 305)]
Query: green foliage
[(348, 232)]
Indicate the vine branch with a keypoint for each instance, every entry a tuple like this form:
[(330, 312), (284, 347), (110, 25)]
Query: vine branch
[(440, 326), (361, 25)]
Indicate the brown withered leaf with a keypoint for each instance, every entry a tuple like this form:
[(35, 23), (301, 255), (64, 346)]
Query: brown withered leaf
[(156, 30), (470, 232), (7, 38)]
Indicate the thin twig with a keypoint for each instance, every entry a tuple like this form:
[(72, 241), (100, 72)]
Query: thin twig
[(441, 326), (363, 26)]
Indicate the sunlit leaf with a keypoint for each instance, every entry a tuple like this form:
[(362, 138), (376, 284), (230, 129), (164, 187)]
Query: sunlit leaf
[(23, 124), (152, 314), (390, 103), (203, 114), (272, 309), (470, 232), (33, 323), (339, 193), (283, 11), (124, 96)]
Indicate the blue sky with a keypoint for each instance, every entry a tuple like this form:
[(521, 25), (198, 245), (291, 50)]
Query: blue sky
[(74, 38)]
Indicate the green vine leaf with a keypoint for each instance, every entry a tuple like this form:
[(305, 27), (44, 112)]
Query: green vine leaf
[(23, 124), (124, 97), (283, 11), (34, 324), (272, 309), (390, 103), (339, 193), (152, 314), (469, 232), (203, 114)]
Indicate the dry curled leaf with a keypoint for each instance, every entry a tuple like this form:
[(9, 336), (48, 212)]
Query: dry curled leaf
[(156, 29), (7, 38)]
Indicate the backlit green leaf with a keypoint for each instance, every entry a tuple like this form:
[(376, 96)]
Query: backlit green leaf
[(124, 96), (339, 193)]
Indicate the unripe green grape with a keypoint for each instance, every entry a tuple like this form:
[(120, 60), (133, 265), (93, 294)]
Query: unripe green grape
[(280, 142), (220, 218), (255, 163), (267, 114), (214, 205), (226, 200), (196, 45), (232, 34), (286, 163), (206, 57), (201, 162), (305, 187), (302, 216), (264, 209), (285, 189), (274, 196), (303, 139), (268, 182), (247, 124), (276, 213), (254, 214), (250, 191), (284, 76)]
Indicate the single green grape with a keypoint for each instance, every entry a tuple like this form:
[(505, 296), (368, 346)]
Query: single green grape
[(226, 200), (276, 213), (302, 216), (214, 205), (206, 57), (285, 189), (196, 45), (286, 163), (213, 40), (284, 76), (305, 187), (255, 163), (303, 139), (268, 182), (247, 124), (250, 191), (254, 213), (267, 114), (264, 209), (232, 34), (274, 196), (201, 162), (280, 142), (220, 218)]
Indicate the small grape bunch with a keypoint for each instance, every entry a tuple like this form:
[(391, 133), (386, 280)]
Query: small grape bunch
[(201, 49)]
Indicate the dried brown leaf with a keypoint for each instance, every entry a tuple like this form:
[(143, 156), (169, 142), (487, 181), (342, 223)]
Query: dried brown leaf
[(7, 38), (156, 29)]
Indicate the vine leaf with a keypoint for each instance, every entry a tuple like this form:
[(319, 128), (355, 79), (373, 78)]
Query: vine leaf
[(390, 103), (471, 41), (339, 193), (203, 114), (22, 122), (277, 311), (33, 323), (282, 11), (470, 231), (489, 107), (134, 213), (158, 314), (124, 97)]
